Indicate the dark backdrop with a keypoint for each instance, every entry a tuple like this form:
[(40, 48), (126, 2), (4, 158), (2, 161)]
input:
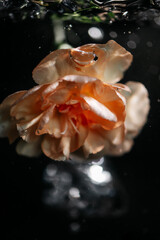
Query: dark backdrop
[(22, 45)]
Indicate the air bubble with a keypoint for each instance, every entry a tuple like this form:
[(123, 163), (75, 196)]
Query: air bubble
[(131, 44), (113, 34)]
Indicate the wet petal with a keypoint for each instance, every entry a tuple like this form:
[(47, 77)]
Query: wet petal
[(28, 107), (99, 109), (137, 108), (60, 148), (29, 149), (116, 135), (53, 123), (65, 146), (7, 123), (94, 142), (103, 61), (118, 150), (79, 137), (29, 134), (50, 147), (48, 69)]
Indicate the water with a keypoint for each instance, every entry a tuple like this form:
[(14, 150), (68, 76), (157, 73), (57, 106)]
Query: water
[(117, 198), (84, 11)]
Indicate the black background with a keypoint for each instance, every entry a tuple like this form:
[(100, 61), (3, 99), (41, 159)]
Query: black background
[(23, 45)]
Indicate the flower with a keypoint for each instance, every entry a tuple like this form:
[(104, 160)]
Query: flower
[(78, 110), (106, 62), (64, 116)]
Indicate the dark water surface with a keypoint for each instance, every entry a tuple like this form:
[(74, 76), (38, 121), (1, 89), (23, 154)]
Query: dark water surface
[(132, 208)]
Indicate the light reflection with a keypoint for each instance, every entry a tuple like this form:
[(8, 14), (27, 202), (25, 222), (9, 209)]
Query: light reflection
[(74, 192), (95, 33), (65, 46), (86, 189), (99, 161), (98, 176)]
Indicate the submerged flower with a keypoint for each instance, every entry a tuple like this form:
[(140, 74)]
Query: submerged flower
[(61, 117), (106, 62), (78, 108)]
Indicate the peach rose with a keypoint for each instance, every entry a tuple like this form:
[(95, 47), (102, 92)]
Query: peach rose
[(106, 62), (64, 116), (78, 110)]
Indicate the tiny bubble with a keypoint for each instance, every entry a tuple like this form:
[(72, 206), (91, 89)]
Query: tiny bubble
[(131, 44), (113, 34), (68, 27)]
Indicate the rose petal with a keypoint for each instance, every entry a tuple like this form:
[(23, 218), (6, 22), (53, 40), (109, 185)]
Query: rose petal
[(99, 139), (28, 107), (94, 142), (103, 61), (78, 138), (60, 148), (50, 147), (52, 123), (116, 135), (99, 109), (137, 108), (29, 149), (7, 124), (48, 69), (65, 146), (118, 150), (24, 126)]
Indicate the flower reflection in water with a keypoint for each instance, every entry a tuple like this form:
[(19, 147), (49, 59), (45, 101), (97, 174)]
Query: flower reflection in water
[(87, 190), (98, 176)]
